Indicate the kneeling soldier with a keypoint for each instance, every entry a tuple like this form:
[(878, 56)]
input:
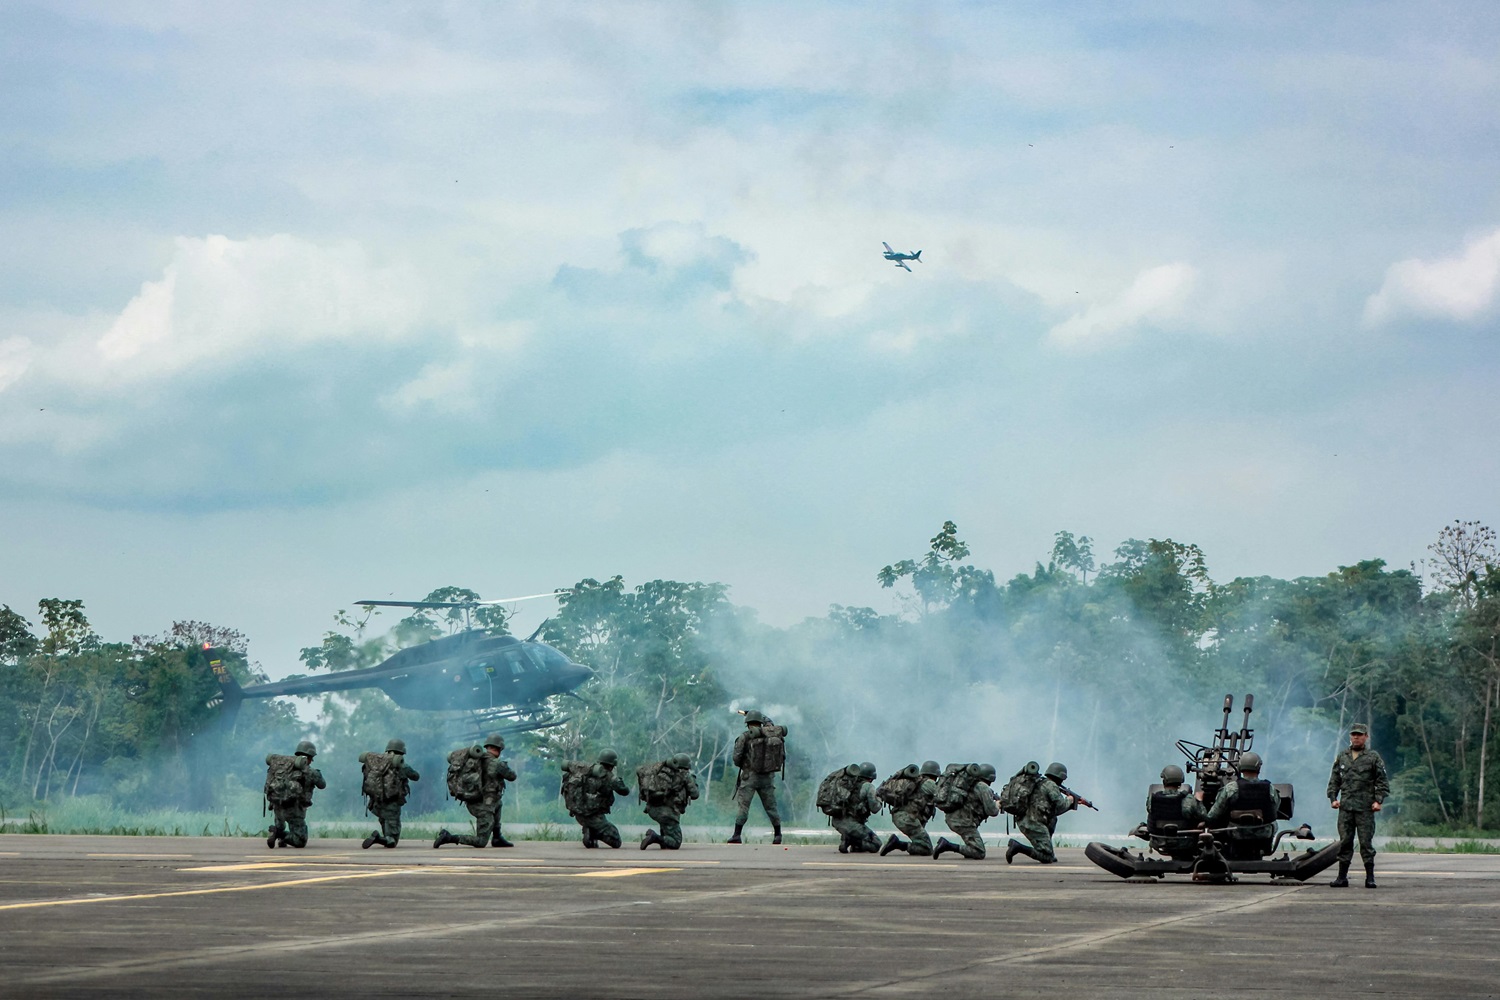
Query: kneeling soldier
[(386, 785), (666, 788), (911, 793)]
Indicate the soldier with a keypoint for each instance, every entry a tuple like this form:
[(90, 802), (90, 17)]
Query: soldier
[(979, 805), (589, 791), (387, 783), (1175, 805), (1048, 801), (1356, 788), (1245, 793), (289, 789), (858, 803), (912, 795), (665, 804), (759, 752), (484, 804)]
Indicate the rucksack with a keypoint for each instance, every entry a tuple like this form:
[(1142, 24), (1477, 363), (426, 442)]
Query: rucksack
[(466, 774), (584, 793), (954, 786), (286, 779), (384, 777), (833, 793), (1015, 797), (766, 754), (900, 788), (656, 782)]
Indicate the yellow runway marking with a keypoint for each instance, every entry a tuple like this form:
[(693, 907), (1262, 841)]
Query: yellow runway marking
[(199, 892), (618, 872), (878, 864)]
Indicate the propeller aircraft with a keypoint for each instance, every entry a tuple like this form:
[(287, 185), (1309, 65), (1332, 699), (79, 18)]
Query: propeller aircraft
[(899, 257)]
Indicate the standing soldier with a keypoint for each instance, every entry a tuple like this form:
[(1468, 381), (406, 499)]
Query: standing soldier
[(477, 777), (1048, 801), (666, 788), (759, 752), (1356, 788), (387, 783), (977, 804), (589, 791), (912, 795), (290, 781)]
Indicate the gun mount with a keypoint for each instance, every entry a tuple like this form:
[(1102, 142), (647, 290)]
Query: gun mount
[(1245, 844)]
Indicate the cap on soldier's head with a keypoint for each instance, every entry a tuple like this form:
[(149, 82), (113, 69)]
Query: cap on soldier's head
[(495, 740), (1172, 775), (1057, 772), (306, 749), (754, 718), (931, 768), (1249, 762), (867, 770), (395, 746), (682, 761), (1359, 729)]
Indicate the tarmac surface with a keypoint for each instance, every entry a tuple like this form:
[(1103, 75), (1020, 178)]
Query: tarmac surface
[(188, 917)]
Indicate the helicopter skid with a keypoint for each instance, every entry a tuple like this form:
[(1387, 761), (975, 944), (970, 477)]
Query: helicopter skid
[(1298, 867)]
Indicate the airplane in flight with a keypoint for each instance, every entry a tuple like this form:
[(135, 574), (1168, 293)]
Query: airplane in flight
[(900, 258)]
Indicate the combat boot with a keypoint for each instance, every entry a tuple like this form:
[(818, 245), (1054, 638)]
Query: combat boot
[(1016, 847), (843, 843), (499, 841), (589, 840), (369, 842), (271, 840), (1370, 875), (734, 838), (776, 834), (892, 843), (1341, 881), (942, 845), (651, 837), (443, 837)]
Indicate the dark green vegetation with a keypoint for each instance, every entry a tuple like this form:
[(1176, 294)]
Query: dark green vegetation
[(1102, 665)]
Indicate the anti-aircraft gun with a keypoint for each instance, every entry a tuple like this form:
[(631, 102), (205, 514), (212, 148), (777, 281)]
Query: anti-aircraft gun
[(1216, 855)]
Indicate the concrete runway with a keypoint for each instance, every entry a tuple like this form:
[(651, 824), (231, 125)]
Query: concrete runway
[(179, 917)]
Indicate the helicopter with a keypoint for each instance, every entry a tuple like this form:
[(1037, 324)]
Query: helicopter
[(496, 681)]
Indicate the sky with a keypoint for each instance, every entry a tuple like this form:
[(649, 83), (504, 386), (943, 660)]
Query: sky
[(304, 304)]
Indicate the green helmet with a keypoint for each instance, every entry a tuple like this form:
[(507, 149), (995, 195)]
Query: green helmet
[(495, 740), (867, 771), (608, 758), (1057, 772), (754, 718), (1172, 775), (395, 746), (1249, 762), (306, 749), (987, 773), (932, 768), (682, 761)]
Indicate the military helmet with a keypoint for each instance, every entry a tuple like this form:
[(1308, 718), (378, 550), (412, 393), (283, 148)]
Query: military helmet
[(1057, 772), (754, 718), (867, 771), (395, 746), (932, 768), (1249, 762), (682, 761), (1172, 775), (495, 740), (306, 749), (987, 773), (608, 758)]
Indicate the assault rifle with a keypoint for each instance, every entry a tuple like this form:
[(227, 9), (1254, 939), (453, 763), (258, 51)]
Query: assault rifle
[(1081, 800)]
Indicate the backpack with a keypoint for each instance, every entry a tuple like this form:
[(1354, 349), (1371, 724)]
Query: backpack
[(581, 792), (833, 793), (384, 777), (954, 786), (656, 782), (766, 754), (286, 779), (466, 774), (900, 788), (1015, 797)]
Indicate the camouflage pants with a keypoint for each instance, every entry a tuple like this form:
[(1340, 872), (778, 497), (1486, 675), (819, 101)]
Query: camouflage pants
[(486, 815), (389, 816), (599, 825), (291, 824), (973, 844), (751, 785), (914, 826), (1041, 841), (859, 836), (1352, 821), (669, 820)]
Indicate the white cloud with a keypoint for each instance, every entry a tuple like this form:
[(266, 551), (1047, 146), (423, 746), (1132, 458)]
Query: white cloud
[(1458, 288), (1155, 295), (14, 358)]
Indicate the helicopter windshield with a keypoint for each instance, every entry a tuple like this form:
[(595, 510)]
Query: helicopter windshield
[(546, 657)]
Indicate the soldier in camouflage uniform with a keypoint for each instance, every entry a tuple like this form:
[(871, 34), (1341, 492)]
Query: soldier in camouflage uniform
[(1246, 792), (1048, 801), (388, 811), (290, 826), (597, 829), (850, 821), (486, 811), (981, 804), (912, 816), (1175, 804), (666, 810), (1356, 789), (752, 783)]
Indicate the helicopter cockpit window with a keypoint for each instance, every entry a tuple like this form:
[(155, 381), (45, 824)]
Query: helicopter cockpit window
[(481, 670), (513, 662), (546, 657)]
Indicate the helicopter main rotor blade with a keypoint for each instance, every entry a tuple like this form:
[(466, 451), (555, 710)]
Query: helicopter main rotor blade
[(451, 604)]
